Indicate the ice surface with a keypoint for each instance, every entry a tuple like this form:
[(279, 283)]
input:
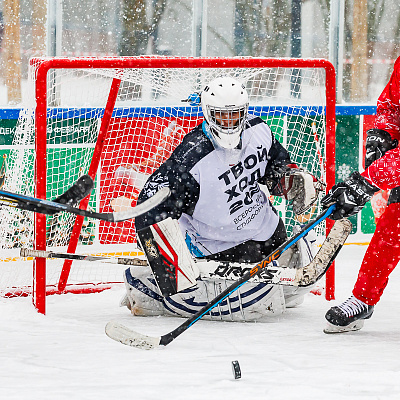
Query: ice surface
[(66, 355)]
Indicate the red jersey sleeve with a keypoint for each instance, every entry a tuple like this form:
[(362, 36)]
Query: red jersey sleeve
[(388, 106), (385, 172)]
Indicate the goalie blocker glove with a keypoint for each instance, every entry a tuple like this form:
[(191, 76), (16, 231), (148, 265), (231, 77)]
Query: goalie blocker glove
[(350, 196), (377, 144)]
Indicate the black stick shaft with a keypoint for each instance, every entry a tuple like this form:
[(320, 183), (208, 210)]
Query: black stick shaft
[(82, 257), (24, 202)]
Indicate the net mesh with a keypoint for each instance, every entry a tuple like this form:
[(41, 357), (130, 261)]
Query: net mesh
[(152, 113)]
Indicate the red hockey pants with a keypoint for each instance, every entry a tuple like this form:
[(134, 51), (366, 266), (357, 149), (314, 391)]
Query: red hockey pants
[(381, 257)]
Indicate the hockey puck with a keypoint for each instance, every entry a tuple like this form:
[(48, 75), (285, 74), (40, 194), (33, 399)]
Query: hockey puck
[(236, 370)]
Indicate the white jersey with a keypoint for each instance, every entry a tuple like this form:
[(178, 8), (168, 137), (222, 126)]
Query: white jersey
[(216, 194)]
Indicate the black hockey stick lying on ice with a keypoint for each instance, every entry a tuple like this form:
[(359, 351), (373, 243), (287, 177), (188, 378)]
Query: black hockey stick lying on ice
[(63, 203), (277, 275)]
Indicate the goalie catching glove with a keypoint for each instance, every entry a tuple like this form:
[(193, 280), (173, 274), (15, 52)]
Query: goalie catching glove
[(300, 188), (350, 196)]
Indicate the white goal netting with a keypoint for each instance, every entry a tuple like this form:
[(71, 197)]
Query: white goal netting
[(153, 109)]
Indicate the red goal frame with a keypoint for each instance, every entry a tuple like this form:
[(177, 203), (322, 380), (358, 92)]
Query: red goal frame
[(40, 172)]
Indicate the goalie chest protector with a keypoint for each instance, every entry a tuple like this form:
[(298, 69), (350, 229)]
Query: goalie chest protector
[(229, 206)]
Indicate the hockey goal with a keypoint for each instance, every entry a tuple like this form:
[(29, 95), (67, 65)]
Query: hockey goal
[(118, 119)]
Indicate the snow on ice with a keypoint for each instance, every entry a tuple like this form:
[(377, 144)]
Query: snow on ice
[(66, 355)]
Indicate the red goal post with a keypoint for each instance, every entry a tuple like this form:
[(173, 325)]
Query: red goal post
[(143, 114)]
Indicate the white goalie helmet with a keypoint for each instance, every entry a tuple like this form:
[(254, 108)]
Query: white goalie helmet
[(225, 103)]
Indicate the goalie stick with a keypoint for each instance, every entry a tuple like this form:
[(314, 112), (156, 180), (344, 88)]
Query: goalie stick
[(300, 277), (51, 207)]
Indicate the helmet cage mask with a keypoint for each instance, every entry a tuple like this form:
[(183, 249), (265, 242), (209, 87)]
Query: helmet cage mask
[(228, 120), (225, 105)]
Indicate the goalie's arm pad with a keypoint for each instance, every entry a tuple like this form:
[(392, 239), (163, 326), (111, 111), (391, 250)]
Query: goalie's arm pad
[(184, 194)]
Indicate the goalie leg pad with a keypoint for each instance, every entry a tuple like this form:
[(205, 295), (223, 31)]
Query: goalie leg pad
[(294, 296), (168, 256), (251, 302)]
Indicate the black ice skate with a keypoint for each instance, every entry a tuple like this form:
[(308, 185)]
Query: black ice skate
[(348, 316)]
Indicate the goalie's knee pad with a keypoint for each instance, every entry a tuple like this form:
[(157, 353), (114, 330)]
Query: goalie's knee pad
[(306, 247), (301, 254), (142, 294)]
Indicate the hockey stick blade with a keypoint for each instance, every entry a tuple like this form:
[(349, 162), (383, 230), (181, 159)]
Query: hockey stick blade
[(330, 248), (78, 191), (50, 207), (126, 336), (164, 340)]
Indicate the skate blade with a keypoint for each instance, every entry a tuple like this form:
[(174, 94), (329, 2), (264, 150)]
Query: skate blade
[(354, 326)]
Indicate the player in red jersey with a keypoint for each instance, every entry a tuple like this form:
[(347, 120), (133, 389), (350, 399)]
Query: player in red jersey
[(382, 163)]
